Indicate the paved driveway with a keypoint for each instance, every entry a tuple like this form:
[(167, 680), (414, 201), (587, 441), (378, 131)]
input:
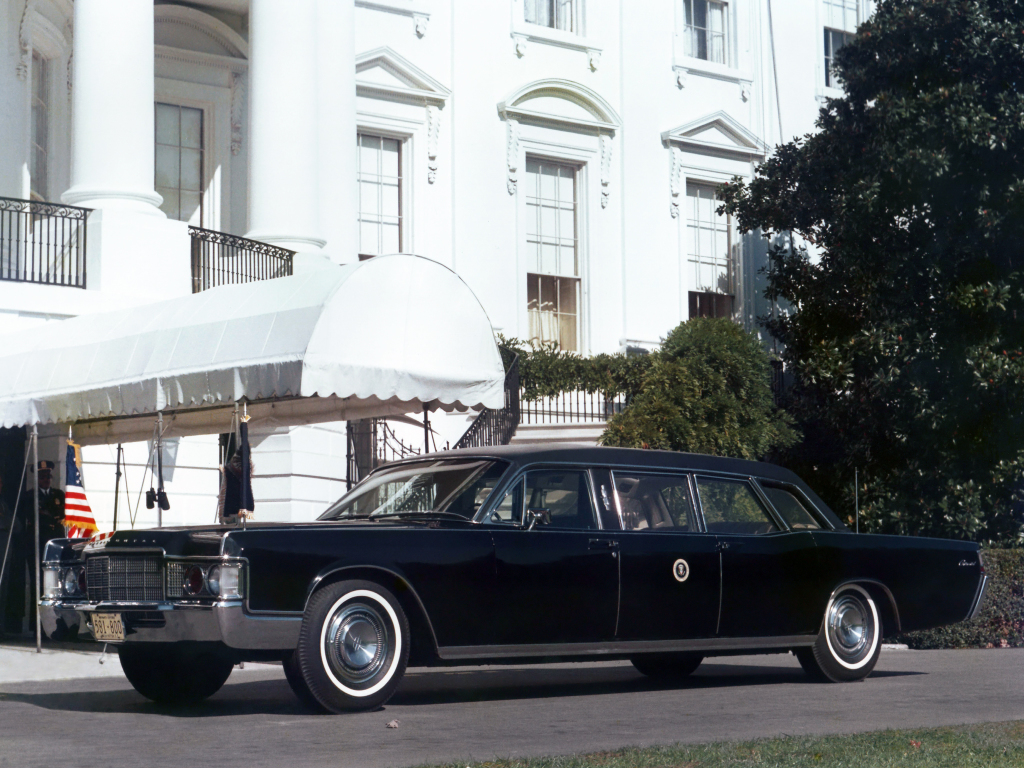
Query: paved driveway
[(486, 712)]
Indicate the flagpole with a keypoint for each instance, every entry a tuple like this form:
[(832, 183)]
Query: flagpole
[(39, 564)]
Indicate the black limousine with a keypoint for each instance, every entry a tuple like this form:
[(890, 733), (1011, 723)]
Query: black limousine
[(497, 554)]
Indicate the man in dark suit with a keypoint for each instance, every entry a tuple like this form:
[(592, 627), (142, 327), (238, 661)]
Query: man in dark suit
[(51, 508)]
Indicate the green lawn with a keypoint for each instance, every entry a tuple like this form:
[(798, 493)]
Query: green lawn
[(990, 745)]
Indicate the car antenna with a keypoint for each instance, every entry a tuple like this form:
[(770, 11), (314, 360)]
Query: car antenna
[(856, 500)]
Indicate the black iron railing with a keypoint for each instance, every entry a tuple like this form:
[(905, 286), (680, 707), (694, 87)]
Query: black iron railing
[(496, 427), (571, 408), (42, 242), (372, 442), (222, 259)]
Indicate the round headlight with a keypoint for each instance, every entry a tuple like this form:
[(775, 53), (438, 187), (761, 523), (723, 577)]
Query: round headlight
[(194, 580), (213, 580), (69, 581)]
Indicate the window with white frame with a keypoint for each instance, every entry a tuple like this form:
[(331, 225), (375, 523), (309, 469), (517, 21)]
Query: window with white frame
[(705, 32), (709, 253), (555, 14), (552, 251), (380, 195), (39, 157), (179, 161), (841, 17)]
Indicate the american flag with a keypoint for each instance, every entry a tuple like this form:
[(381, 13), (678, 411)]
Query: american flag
[(77, 512)]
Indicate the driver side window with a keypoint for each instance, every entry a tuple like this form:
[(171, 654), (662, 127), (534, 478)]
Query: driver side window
[(558, 498)]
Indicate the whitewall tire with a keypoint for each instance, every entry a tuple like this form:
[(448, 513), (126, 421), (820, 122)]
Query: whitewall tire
[(849, 640), (353, 646)]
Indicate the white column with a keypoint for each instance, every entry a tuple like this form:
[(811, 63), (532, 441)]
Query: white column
[(283, 133), (112, 103), (337, 128)]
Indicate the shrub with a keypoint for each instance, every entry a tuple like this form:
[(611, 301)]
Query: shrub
[(707, 391)]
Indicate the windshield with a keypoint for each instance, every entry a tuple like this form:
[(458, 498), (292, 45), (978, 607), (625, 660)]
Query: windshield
[(445, 486)]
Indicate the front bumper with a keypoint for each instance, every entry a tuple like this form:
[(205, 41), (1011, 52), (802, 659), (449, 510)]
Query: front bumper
[(225, 622)]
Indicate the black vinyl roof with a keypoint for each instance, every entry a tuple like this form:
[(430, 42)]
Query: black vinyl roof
[(633, 457)]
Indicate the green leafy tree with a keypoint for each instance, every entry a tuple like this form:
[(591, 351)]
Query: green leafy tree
[(707, 391), (907, 337)]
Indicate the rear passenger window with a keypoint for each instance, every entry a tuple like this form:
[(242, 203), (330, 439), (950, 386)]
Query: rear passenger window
[(654, 502), (731, 506), (791, 509)]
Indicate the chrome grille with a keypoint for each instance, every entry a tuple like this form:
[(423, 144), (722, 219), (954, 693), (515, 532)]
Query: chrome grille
[(133, 578), (176, 579)]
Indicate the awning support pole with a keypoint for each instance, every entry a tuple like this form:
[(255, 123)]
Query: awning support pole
[(39, 564), (426, 429)]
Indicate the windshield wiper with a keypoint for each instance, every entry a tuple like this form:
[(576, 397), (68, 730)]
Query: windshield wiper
[(422, 513)]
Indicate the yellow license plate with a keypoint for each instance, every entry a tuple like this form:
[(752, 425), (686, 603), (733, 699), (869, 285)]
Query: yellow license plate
[(107, 627)]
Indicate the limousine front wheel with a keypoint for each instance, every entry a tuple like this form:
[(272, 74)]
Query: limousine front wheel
[(174, 674), (353, 646), (848, 642)]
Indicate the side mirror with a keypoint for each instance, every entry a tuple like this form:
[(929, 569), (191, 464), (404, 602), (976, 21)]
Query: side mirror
[(535, 516)]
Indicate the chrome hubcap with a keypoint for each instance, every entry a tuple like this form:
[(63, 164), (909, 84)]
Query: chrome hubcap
[(850, 628), (356, 642)]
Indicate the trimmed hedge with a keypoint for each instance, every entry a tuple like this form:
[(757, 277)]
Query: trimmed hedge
[(1001, 621)]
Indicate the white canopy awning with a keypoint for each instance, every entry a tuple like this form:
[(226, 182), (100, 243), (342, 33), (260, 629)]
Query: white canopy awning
[(390, 335)]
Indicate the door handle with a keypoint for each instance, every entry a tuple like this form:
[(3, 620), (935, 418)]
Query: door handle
[(723, 545), (604, 544)]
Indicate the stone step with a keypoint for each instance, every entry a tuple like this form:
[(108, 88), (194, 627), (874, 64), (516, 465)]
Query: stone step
[(540, 434)]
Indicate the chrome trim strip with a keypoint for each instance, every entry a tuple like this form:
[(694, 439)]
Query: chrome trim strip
[(709, 644), (976, 605)]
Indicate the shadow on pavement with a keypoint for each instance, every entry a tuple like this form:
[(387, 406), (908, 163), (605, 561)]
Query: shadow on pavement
[(431, 687)]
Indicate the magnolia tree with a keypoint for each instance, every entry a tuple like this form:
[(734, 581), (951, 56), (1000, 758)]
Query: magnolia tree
[(906, 337)]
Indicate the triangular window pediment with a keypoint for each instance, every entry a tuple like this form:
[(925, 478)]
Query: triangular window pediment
[(384, 72), (716, 132)]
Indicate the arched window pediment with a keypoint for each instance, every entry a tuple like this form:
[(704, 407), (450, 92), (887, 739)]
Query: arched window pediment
[(189, 29), (561, 102)]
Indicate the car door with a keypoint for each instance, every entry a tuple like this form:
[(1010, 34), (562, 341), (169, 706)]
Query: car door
[(670, 568), (767, 569), (557, 577)]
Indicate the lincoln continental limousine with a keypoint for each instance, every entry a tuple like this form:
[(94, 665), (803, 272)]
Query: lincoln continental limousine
[(527, 554)]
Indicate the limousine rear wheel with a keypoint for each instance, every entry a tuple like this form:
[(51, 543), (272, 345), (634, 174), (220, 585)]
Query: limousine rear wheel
[(353, 645), (849, 640), (667, 666), (175, 674)]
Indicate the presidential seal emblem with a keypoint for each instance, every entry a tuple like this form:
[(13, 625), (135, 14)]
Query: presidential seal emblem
[(681, 570)]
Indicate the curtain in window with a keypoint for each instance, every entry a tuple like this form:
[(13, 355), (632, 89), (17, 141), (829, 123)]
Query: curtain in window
[(553, 284), (705, 29), (557, 14), (708, 241)]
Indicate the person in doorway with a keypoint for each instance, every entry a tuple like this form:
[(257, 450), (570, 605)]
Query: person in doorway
[(51, 508)]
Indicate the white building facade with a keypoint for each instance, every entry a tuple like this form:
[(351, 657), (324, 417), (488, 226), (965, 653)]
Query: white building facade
[(562, 156)]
